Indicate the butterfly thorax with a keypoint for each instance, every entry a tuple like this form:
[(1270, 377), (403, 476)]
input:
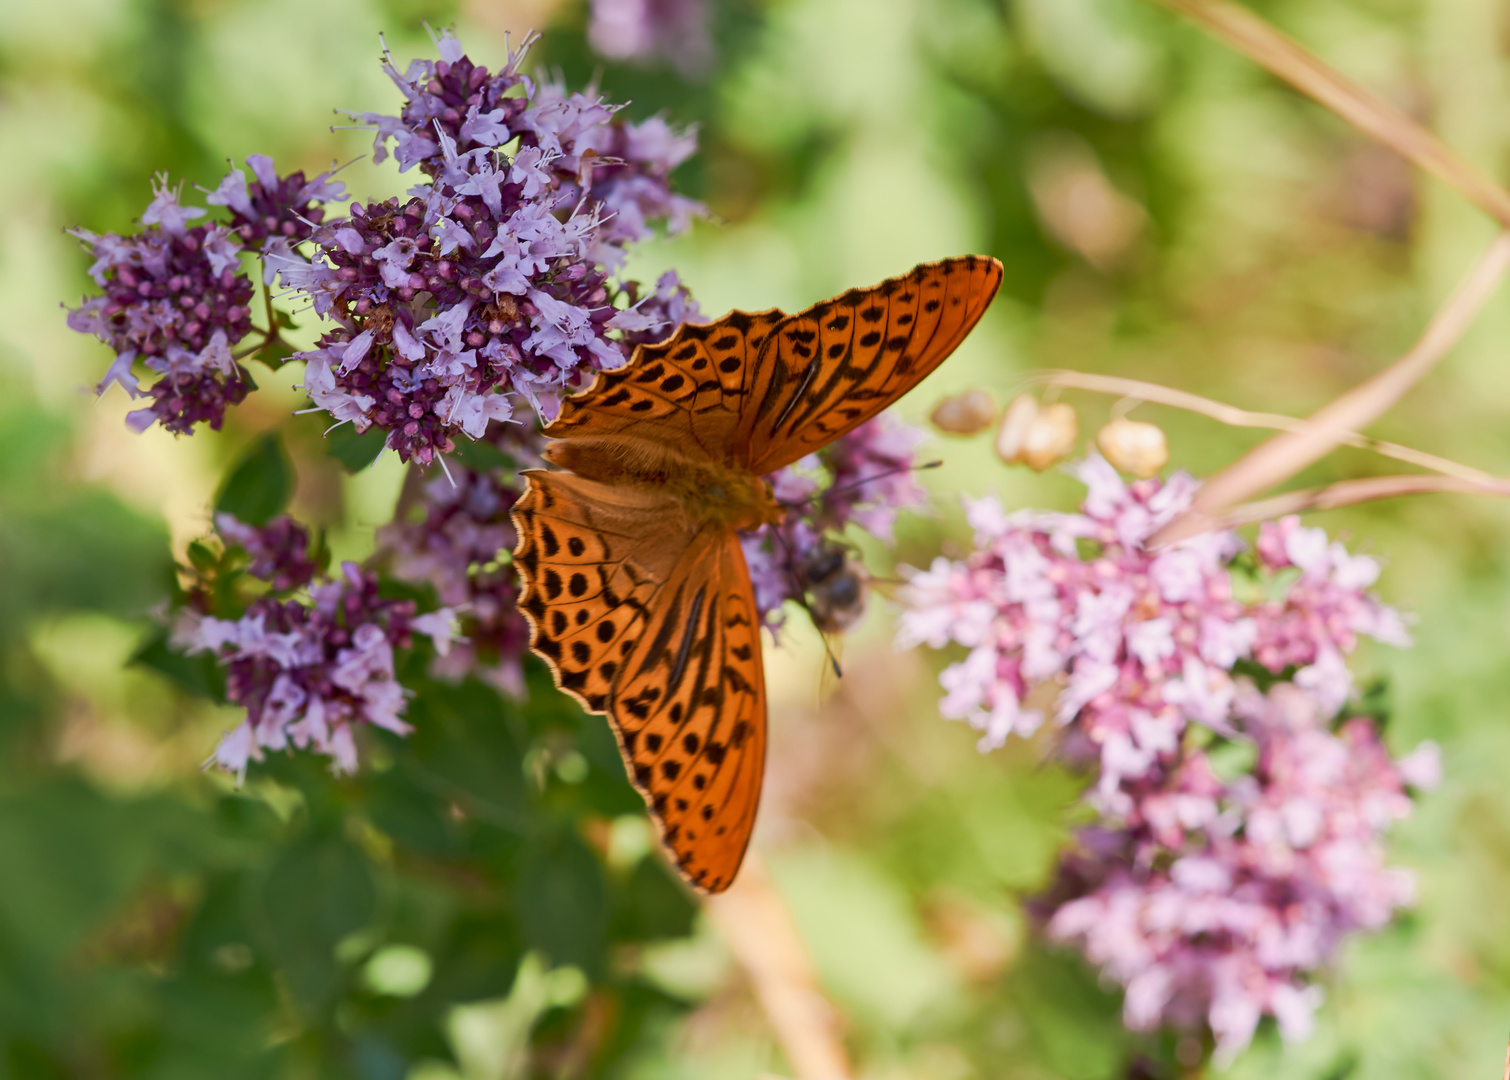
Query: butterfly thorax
[(710, 492)]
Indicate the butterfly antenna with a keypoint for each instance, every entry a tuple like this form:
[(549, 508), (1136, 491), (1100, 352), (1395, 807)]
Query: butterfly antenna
[(827, 492)]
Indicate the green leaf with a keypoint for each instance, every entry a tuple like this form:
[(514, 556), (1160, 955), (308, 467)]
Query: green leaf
[(355, 451), (654, 904), (201, 556), (260, 486), (482, 456), (199, 675), (275, 353), (562, 900), (318, 891)]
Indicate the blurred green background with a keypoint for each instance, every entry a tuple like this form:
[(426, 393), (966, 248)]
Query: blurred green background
[(478, 903)]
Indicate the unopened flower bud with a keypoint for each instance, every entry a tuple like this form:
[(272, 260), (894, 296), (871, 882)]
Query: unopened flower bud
[(1036, 437), (1134, 447), (964, 414)]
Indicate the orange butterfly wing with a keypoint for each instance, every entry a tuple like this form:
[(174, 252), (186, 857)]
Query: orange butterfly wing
[(687, 391), (825, 371), (653, 623)]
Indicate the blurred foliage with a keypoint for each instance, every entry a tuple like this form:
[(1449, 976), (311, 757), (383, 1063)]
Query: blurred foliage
[(203, 931), (481, 901)]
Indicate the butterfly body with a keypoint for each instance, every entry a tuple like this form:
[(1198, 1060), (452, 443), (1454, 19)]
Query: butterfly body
[(635, 583), (711, 494)]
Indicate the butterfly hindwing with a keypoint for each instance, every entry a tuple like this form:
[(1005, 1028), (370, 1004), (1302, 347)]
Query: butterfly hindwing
[(825, 371), (686, 390), (691, 710), (656, 627), (589, 575)]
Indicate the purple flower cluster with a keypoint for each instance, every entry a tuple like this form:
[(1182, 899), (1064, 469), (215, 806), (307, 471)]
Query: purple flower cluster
[(493, 280), (1210, 891), (279, 550), (865, 477), (274, 212), (455, 534), (308, 673), (176, 299), (647, 30)]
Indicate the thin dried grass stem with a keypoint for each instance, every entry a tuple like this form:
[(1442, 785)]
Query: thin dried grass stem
[(1376, 118), (1350, 492), (1139, 391), (759, 929), (1281, 457)]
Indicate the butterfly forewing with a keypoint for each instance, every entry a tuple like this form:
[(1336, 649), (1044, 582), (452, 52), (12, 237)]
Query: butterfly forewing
[(827, 370), (658, 629), (684, 391)]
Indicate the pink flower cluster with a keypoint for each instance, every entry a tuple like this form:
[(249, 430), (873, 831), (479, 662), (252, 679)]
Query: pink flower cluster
[(1240, 836), (1220, 897), (865, 477), (308, 672)]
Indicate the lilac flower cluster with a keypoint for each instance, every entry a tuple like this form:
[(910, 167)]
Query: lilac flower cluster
[(274, 212), (865, 477), (308, 673), (455, 534), (647, 30), (493, 280), (279, 550), (176, 299), (1210, 891)]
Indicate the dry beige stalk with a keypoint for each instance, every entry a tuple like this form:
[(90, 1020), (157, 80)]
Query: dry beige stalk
[(1232, 416), (1281, 457), (1350, 492), (759, 929), (1375, 117)]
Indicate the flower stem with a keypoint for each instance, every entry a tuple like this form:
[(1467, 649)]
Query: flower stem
[(1266, 46), (1137, 390), (271, 337), (1281, 457), (761, 933)]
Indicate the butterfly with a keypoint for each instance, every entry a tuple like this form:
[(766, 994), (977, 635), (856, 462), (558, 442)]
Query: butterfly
[(634, 582)]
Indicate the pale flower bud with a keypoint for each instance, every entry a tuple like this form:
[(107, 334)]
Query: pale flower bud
[(1134, 447), (1020, 414), (1036, 437), (964, 414)]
